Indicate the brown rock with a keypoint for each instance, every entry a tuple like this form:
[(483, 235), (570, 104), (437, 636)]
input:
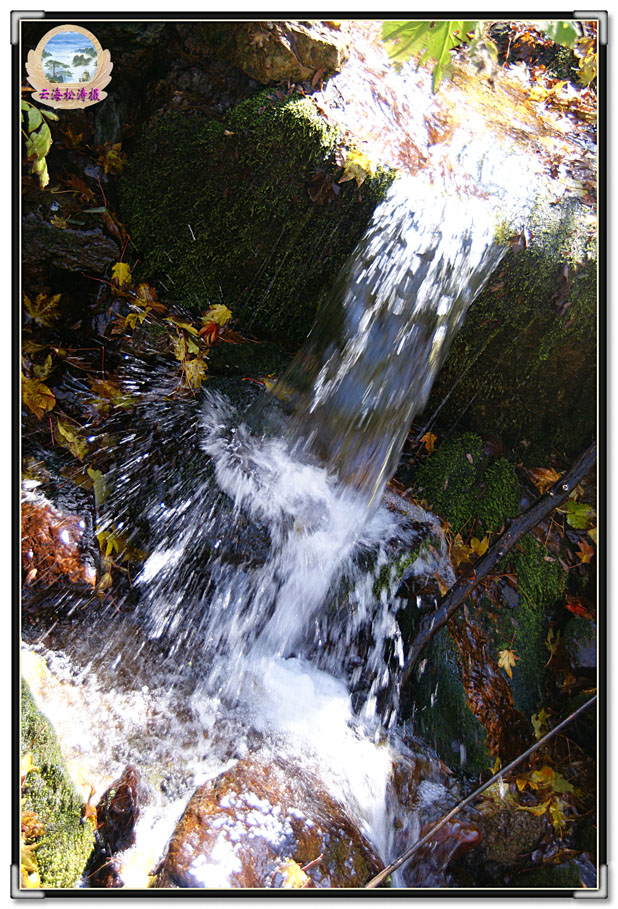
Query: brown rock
[(240, 828), (117, 814), (277, 51)]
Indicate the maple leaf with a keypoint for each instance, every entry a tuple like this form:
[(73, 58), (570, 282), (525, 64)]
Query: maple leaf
[(219, 314), (592, 533), (578, 514), (585, 552), (112, 158), (44, 309), (147, 296), (429, 441), (427, 40), (121, 273), (506, 661), (59, 222), (557, 815), (537, 810), (81, 187), (356, 166), (195, 372), (459, 552), (179, 348), (479, 546), (31, 825), (134, 317), (209, 333), (185, 325), (42, 370), (37, 396), (543, 477)]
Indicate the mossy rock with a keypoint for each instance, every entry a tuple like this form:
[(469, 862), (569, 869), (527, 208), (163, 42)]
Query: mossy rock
[(523, 366), (460, 484), (440, 710), (221, 212), (64, 848), (555, 877)]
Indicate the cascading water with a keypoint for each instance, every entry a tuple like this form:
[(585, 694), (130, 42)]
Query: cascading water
[(267, 605)]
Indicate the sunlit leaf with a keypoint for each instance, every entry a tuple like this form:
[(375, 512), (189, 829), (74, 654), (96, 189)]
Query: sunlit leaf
[(294, 878), (561, 31), (537, 810), (356, 166), (427, 41), (429, 441), (179, 348), (26, 765)]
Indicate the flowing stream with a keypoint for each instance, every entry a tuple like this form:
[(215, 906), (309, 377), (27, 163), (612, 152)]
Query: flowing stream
[(264, 619)]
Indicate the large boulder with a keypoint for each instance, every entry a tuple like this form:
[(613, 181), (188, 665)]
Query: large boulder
[(255, 823), (277, 51)]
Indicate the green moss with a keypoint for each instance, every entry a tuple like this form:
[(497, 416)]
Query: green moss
[(501, 497), (551, 876), (520, 367), (447, 479), (67, 843), (221, 213), (440, 711)]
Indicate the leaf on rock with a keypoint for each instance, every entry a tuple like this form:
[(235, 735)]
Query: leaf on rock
[(179, 348), (37, 396), (294, 878), (540, 723), (507, 660), (357, 166), (68, 438)]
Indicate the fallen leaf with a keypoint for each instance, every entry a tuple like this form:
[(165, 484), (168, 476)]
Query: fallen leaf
[(44, 309), (507, 660), (479, 546), (356, 166), (540, 723), (585, 552), (37, 396), (195, 372), (219, 314), (26, 766), (429, 441), (121, 273), (537, 810), (543, 477), (68, 438), (294, 878), (552, 642)]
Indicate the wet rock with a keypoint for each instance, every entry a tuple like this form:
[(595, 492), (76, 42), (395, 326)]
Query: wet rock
[(276, 51), (51, 546), (240, 828), (117, 813), (69, 249), (508, 834)]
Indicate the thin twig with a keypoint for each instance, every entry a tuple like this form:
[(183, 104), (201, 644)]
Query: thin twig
[(382, 875)]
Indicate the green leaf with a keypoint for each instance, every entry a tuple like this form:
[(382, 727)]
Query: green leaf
[(50, 115), (34, 119), (39, 143), (427, 41), (579, 515), (561, 32)]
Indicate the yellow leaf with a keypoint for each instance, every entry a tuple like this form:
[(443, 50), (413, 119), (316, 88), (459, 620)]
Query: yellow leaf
[(186, 325), (459, 552), (44, 369), (537, 810), (44, 310), (552, 642), (180, 348), (26, 765), (192, 346), (592, 533), (219, 314), (506, 661), (113, 159), (585, 552), (557, 815), (540, 723), (479, 546), (294, 878), (429, 441), (121, 273), (195, 372), (357, 166), (37, 396)]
